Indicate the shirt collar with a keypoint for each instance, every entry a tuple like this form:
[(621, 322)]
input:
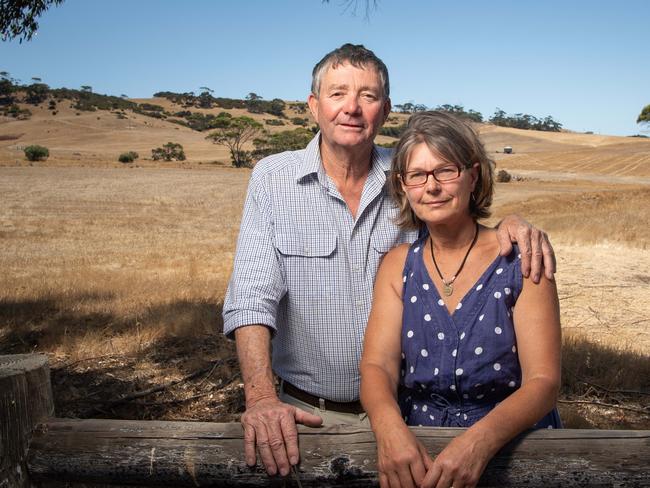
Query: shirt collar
[(313, 165)]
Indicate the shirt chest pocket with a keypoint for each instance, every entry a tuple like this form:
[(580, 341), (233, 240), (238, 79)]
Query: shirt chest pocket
[(308, 261)]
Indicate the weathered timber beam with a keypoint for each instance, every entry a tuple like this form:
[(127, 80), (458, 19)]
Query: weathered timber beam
[(25, 400), (211, 454)]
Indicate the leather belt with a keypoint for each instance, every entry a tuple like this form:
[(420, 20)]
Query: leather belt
[(322, 403)]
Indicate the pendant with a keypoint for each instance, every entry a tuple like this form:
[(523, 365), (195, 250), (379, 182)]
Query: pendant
[(448, 289)]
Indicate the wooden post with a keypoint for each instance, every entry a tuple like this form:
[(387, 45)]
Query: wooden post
[(25, 400), (194, 454)]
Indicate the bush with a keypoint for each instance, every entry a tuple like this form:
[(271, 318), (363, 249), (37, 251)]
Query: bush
[(128, 157), (171, 150), (273, 122), (36, 153), (301, 121), (503, 176)]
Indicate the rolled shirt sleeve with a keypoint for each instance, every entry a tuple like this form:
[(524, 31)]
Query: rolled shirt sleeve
[(256, 285)]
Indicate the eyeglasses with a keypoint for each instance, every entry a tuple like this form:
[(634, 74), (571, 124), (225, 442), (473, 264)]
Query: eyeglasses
[(441, 175)]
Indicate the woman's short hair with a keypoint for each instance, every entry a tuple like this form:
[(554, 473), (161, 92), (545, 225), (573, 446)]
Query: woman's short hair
[(453, 140), (356, 55)]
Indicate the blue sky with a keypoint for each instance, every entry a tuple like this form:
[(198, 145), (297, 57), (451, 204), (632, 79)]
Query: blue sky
[(586, 63)]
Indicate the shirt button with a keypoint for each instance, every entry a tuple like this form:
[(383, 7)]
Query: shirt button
[(356, 267), (359, 303)]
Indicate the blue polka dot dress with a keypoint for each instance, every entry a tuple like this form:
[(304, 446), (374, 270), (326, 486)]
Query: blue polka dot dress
[(456, 368)]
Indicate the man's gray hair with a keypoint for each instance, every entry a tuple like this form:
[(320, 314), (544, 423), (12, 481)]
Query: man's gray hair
[(355, 54)]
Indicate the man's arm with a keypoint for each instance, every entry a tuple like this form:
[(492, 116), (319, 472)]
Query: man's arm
[(535, 247), (254, 292)]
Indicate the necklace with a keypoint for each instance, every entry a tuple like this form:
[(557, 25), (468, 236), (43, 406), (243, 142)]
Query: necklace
[(448, 287)]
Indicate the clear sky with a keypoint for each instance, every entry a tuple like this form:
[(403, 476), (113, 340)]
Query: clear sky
[(585, 63)]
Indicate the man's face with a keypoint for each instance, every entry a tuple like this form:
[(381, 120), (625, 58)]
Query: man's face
[(351, 106)]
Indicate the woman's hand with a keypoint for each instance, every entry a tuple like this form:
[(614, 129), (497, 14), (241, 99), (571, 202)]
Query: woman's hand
[(401, 459), (459, 465)]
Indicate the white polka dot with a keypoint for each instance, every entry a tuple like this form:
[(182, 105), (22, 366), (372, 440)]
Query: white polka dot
[(436, 371), (478, 350), (452, 387), (424, 408), (507, 291), (415, 407), (481, 317), (497, 295), (478, 397), (409, 334), (457, 414), (414, 299), (441, 335), (477, 385), (462, 336), (416, 249), (518, 256), (432, 417), (549, 427), (479, 287), (514, 348), (424, 353), (454, 352), (441, 302), (411, 275), (497, 367), (512, 384), (497, 330), (404, 279), (403, 355), (464, 416), (412, 369), (425, 286), (459, 371), (499, 271), (458, 307), (427, 318)]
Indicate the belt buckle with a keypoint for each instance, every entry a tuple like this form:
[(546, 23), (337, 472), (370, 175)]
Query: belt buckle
[(321, 404)]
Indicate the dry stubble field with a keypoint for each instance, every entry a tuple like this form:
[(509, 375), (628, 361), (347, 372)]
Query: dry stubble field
[(119, 275)]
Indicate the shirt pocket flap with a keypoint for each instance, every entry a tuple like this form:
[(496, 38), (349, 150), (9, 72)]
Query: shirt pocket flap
[(382, 244), (321, 244)]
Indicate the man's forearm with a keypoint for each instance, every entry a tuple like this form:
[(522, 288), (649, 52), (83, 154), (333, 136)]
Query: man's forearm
[(254, 353)]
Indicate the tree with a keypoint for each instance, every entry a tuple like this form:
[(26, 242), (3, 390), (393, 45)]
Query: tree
[(237, 132), (86, 88), (253, 96), (171, 150), (18, 17), (36, 153), (644, 116), (287, 140)]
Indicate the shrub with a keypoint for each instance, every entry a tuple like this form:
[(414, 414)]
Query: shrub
[(36, 153), (171, 150), (300, 121), (503, 176), (394, 131), (128, 157), (273, 122)]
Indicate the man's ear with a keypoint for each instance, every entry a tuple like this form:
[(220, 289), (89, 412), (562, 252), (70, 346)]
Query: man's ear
[(312, 101), (387, 107)]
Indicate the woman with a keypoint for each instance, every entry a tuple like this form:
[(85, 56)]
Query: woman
[(467, 340)]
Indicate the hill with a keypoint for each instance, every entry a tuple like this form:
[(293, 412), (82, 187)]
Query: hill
[(78, 137)]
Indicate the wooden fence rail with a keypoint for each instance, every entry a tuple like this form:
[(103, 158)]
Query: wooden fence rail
[(153, 453)]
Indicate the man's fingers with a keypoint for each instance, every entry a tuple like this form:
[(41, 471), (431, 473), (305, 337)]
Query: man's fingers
[(278, 449), (432, 477), (290, 435), (249, 445), (264, 448), (505, 240), (418, 472), (536, 255), (525, 249), (308, 419), (550, 266), (405, 478)]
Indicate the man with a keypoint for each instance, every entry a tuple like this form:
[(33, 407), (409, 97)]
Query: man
[(316, 223)]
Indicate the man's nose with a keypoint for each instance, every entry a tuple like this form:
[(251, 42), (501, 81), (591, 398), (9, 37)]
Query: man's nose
[(351, 104)]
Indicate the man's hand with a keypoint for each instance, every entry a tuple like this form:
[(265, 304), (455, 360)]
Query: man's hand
[(270, 425), (536, 249)]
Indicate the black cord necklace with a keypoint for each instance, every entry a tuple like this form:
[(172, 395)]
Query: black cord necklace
[(448, 284)]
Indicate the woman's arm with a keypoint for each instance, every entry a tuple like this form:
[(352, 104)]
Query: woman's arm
[(537, 328), (401, 459)]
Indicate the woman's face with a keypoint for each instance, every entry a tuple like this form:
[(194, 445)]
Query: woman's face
[(437, 202)]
